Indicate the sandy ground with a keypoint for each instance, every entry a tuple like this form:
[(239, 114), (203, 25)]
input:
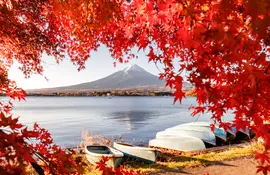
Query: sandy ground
[(244, 166)]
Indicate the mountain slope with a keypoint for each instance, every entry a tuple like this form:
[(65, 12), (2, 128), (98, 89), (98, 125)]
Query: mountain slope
[(132, 77), (127, 78)]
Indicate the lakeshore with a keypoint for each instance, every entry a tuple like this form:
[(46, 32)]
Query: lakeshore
[(228, 160), (122, 92), (104, 93), (138, 114)]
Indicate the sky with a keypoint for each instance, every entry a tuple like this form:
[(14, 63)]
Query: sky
[(98, 66)]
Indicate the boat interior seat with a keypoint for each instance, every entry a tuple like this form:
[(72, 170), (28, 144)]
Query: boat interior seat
[(99, 149)]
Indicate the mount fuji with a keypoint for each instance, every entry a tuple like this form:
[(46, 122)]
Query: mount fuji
[(132, 77)]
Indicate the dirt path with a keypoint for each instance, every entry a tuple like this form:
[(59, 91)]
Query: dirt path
[(244, 166)]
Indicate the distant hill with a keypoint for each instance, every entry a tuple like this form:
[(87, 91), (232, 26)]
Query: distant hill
[(131, 78)]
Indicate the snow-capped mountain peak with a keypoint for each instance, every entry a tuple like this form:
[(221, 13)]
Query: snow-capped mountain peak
[(135, 69)]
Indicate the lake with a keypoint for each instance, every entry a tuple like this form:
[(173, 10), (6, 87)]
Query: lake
[(136, 119)]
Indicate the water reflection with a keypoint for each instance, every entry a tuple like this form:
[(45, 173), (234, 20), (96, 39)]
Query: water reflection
[(132, 119)]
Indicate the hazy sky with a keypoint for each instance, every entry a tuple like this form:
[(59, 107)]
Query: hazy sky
[(98, 66)]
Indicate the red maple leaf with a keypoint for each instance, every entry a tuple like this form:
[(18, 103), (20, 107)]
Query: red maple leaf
[(264, 169), (151, 55), (262, 156)]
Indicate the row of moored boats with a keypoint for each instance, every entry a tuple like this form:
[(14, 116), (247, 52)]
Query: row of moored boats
[(196, 136), (185, 137)]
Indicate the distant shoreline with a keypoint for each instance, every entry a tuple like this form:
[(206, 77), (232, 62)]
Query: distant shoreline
[(124, 93), (111, 93), (102, 94)]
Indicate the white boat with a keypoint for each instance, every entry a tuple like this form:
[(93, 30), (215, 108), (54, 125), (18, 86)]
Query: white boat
[(143, 153), (180, 143), (197, 123), (94, 154), (207, 124), (219, 132), (206, 136)]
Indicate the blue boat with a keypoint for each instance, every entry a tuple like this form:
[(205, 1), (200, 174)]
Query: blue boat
[(246, 132)]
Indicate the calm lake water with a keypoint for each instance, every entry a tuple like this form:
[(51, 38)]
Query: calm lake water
[(137, 119)]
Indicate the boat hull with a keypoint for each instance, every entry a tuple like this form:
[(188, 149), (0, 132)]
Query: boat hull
[(205, 136), (180, 143), (246, 132), (220, 133), (95, 153), (207, 124), (148, 155)]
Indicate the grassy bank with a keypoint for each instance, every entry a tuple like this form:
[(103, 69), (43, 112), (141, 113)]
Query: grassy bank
[(172, 161), (168, 160)]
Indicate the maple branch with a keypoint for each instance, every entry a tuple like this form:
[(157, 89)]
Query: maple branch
[(266, 70), (157, 66), (43, 159), (48, 64), (254, 99)]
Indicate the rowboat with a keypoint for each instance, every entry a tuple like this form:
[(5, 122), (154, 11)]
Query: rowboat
[(206, 136), (198, 123), (246, 132), (231, 132), (146, 154), (207, 124), (240, 134), (180, 143), (219, 132), (94, 154)]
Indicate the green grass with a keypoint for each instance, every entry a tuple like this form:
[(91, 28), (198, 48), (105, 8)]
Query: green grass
[(181, 161), (168, 161)]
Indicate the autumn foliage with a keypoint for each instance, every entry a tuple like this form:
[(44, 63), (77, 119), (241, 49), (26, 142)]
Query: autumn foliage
[(223, 45), (101, 166)]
